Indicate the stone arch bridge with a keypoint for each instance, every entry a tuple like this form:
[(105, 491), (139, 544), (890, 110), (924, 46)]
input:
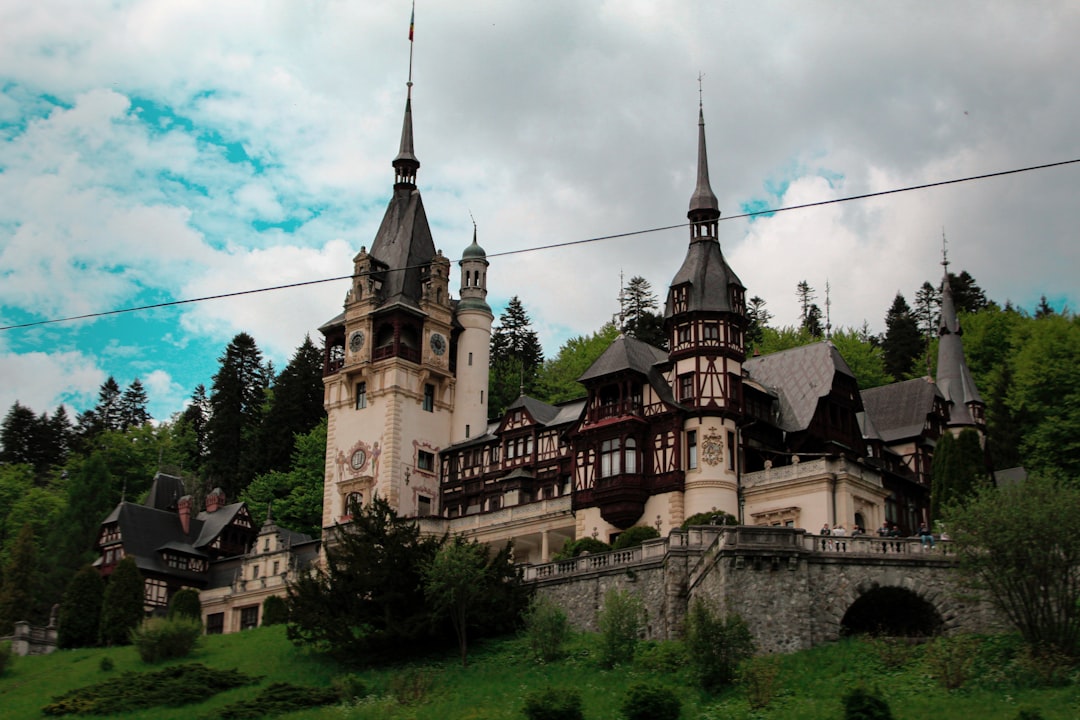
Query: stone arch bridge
[(794, 590)]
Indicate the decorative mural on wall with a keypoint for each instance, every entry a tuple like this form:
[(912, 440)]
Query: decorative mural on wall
[(357, 473), (712, 447)]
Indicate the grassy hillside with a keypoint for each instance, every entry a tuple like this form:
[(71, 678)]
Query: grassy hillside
[(808, 686)]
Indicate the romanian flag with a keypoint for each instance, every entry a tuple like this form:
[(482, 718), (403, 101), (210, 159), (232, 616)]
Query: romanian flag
[(412, 21)]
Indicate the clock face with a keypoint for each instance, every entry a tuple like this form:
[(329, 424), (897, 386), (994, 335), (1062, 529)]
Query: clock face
[(356, 341), (358, 459), (438, 344)]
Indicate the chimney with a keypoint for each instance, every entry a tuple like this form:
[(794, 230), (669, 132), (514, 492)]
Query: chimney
[(215, 500), (183, 506)]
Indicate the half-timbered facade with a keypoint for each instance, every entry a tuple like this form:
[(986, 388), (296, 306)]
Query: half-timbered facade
[(659, 435)]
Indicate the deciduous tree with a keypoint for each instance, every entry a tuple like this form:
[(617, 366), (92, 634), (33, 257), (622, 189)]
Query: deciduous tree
[(1020, 544)]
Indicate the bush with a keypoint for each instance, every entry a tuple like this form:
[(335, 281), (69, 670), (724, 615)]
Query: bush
[(546, 627), (716, 645), (950, 660), (276, 699), (575, 547), (174, 686), (5, 656), (185, 603), (621, 622), (122, 609), (412, 686), (635, 536), (1028, 714), (552, 704), (648, 701), (668, 656), (349, 688), (275, 611), (713, 517), (159, 639), (80, 610), (863, 704), (106, 664), (757, 676)]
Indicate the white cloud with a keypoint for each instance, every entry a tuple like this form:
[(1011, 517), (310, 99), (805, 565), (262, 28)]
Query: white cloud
[(42, 381)]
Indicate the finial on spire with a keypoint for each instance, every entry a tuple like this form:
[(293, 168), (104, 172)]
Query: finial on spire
[(703, 200), (700, 94), (828, 312), (944, 251)]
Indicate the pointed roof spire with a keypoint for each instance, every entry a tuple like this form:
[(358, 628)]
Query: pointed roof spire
[(703, 197), (953, 376), (406, 162)]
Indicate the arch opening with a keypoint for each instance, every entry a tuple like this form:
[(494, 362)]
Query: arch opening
[(893, 612)]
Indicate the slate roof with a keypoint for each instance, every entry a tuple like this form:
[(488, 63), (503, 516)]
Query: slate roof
[(165, 490), (145, 531), (899, 410), (625, 353), (709, 276), (540, 411), (953, 377), (799, 378), (403, 241)]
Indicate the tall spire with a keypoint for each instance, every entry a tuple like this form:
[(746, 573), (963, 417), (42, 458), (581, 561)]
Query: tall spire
[(953, 376), (704, 208), (406, 164)]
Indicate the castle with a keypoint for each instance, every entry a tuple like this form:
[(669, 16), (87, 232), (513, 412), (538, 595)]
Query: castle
[(658, 436)]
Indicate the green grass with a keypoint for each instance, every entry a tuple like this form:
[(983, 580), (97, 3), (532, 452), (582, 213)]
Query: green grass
[(809, 685)]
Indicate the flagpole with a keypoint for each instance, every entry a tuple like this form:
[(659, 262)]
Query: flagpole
[(412, 24)]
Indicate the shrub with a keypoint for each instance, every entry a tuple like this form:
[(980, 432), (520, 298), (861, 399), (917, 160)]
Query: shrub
[(716, 645), (411, 686), (106, 664), (668, 656), (552, 704), (349, 688), (863, 704), (757, 676), (635, 536), (276, 699), (1028, 714), (5, 656), (950, 660), (185, 603), (159, 639), (713, 517), (621, 621), (575, 547), (122, 609), (275, 611), (893, 653), (648, 701), (80, 610), (546, 627), (174, 686)]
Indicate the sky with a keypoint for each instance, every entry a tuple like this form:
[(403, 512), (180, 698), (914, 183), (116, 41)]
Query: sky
[(162, 150)]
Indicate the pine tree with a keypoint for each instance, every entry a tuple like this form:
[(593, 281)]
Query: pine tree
[(637, 309), (132, 406), (122, 609), (927, 304), (236, 401), (80, 610), (758, 318), (18, 435), (189, 431), (812, 322), (90, 497), (903, 343), (19, 594), (107, 412), (516, 357), (967, 295), (295, 406), (1044, 309), (806, 296)]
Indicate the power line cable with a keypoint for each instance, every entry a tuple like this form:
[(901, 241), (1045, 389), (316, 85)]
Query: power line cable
[(553, 246)]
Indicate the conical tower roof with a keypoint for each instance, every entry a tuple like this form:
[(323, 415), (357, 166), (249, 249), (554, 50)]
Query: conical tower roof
[(953, 376)]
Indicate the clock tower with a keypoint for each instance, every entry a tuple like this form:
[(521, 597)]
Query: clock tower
[(390, 361)]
